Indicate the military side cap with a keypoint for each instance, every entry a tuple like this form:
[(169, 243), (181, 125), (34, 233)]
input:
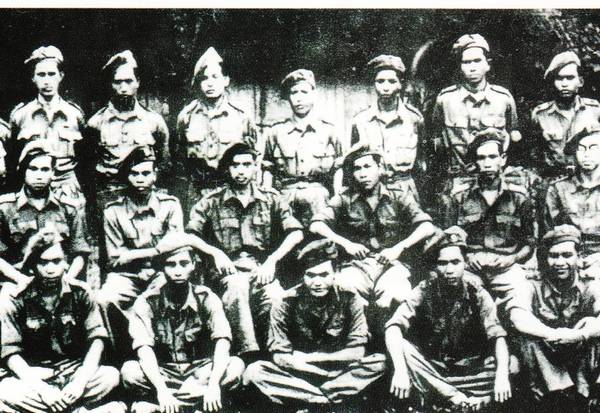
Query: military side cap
[(571, 145), (122, 58), (385, 61), (33, 149), (562, 233), (297, 76), (451, 237), (209, 57), (468, 41), (485, 136), (357, 151), (137, 155), (45, 52), (561, 60), (232, 151)]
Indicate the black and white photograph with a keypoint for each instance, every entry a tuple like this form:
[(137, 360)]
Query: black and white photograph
[(304, 210)]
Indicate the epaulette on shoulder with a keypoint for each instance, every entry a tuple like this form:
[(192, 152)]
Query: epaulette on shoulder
[(269, 190), (414, 110), (460, 188), (473, 280), (189, 107), (75, 105), (67, 200), (10, 197), (236, 107), (279, 122), (4, 124), (97, 117), (448, 89), (163, 196), (17, 108), (213, 193), (500, 89), (326, 121), (558, 179), (542, 106), (590, 102), (117, 201), (362, 113), (201, 290), (516, 188)]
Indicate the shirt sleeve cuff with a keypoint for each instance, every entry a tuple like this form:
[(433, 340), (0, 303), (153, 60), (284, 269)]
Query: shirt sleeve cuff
[(10, 349), (495, 332)]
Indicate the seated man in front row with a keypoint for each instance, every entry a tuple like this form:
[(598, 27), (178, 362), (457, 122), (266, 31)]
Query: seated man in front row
[(451, 331), (557, 316), (182, 339), (317, 338), (52, 341), (374, 224)]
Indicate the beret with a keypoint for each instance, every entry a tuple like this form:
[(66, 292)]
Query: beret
[(317, 252), (562, 233), (45, 52), (137, 155), (297, 76), (231, 152), (571, 145), (452, 237), (210, 56), (357, 151), (561, 60), (34, 149), (485, 136), (468, 41), (386, 61), (122, 58)]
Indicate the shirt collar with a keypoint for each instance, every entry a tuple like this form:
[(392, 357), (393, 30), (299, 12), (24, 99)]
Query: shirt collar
[(381, 189), (577, 106), (153, 205), (549, 290), (220, 109), (136, 112), (54, 106), (401, 112), (23, 199), (303, 124), (579, 185), (255, 193), (467, 94), (190, 301)]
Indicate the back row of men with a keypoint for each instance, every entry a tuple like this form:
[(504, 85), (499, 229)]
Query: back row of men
[(350, 228)]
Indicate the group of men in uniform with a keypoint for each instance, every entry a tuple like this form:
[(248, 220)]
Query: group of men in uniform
[(293, 267)]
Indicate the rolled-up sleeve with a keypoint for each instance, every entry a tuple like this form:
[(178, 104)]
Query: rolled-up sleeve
[(217, 321), (140, 324), (358, 333), (412, 209), (407, 310), (94, 325), (199, 216), (488, 315), (330, 211)]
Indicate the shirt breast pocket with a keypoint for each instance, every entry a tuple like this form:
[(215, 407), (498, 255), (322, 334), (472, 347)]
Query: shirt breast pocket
[(261, 226), (325, 157), (31, 133), (493, 120), (455, 119), (35, 324), (468, 219), (508, 221), (20, 229)]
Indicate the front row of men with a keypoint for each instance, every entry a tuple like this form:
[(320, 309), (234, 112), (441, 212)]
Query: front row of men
[(173, 338)]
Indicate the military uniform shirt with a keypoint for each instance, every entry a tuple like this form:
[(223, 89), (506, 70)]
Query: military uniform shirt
[(554, 308), (458, 114), (206, 134), (302, 150), (221, 218), (395, 215), (60, 124), (19, 220), (128, 226), (30, 330), (397, 140), (179, 335), (568, 202), (504, 227), (120, 132), (4, 137), (299, 322), (554, 129), (449, 329)]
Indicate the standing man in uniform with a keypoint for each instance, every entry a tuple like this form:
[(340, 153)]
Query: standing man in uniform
[(445, 341), (374, 224), (134, 225), (53, 340), (575, 200), (247, 229), (558, 321), (301, 151), (207, 126), (497, 216), (35, 211), (556, 122), (119, 127), (391, 127), (51, 118), (463, 109), (317, 339), (182, 339)]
